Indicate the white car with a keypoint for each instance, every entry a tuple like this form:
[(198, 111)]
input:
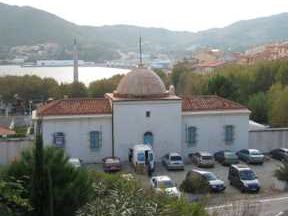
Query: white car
[(165, 184), (76, 162)]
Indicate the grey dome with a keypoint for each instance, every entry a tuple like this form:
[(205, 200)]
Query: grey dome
[(141, 82)]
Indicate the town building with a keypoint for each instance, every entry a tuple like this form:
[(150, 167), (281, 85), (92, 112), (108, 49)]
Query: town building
[(142, 111)]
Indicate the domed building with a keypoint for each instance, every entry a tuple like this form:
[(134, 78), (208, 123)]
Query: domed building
[(142, 111)]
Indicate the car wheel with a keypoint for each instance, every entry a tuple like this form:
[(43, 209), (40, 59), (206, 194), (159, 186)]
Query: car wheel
[(242, 189), (231, 183)]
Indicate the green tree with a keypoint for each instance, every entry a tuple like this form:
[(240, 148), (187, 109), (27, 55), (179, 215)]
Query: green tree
[(259, 106), (221, 86), (70, 188), (100, 87), (74, 90), (282, 74), (264, 77), (178, 70), (278, 103)]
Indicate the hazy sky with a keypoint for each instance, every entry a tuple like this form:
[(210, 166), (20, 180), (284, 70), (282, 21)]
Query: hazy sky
[(190, 15)]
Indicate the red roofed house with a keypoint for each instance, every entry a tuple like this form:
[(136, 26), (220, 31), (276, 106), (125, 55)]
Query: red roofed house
[(6, 131), (139, 111)]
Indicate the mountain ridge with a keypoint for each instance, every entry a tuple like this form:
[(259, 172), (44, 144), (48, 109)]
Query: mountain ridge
[(28, 26)]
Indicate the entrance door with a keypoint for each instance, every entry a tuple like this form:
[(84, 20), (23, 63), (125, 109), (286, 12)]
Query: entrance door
[(148, 138)]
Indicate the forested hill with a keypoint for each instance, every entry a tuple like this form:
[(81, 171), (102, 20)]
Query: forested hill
[(28, 26)]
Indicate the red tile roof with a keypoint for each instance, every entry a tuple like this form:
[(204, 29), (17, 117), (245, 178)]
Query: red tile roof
[(86, 106), (6, 131), (208, 103), (75, 106)]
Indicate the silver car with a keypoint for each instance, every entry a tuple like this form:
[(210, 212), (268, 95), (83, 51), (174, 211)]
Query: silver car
[(173, 161), (202, 159)]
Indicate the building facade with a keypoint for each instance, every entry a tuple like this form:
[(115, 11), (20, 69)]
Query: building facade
[(142, 111)]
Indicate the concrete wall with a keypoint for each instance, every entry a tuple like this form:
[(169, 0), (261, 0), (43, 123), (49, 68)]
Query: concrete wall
[(267, 139), (131, 123), (10, 149), (211, 132), (77, 136)]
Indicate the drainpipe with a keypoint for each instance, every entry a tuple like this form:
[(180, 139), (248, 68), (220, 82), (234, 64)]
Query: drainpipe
[(113, 147)]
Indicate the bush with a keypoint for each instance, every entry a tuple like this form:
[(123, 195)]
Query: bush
[(11, 202), (194, 184), (282, 172), (116, 195)]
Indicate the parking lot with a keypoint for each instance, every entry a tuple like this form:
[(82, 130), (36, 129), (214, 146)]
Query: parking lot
[(269, 184)]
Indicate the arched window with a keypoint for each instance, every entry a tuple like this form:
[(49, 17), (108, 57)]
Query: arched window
[(95, 140), (191, 135), (148, 138)]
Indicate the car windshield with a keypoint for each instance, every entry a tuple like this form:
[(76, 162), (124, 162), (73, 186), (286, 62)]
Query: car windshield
[(210, 176), (112, 160), (207, 157), (175, 158), (254, 152), (231, 155), (141, 156), (247, 175), (165, 184)]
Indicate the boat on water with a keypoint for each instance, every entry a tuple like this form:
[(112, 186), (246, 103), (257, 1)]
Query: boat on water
[(58, 63)]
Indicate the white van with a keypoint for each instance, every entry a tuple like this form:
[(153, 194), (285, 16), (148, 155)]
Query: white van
[(142, 154)]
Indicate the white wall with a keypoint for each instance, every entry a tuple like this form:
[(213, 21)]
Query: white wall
[(267, 139), (130, 124), (11, 149), (210, 131), (77, 138)]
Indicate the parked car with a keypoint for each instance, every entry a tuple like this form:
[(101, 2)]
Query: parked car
[(226, 157), (164, 184), (202, 159), (251, 156), (173, 161), (111, 164), (215, 184), (244, 178), (280, 154), (76, 162)]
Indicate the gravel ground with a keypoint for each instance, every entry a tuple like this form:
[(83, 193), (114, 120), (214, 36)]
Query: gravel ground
[(264, 172)]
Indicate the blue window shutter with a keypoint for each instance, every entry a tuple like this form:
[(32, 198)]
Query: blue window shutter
[(229, 134), (59, 139), (95, 140), (191, 135)]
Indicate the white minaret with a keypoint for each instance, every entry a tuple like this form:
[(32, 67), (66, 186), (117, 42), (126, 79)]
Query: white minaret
[(75, 58)]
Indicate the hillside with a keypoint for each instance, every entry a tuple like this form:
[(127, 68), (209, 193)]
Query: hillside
[(29, 26), (244, 34)]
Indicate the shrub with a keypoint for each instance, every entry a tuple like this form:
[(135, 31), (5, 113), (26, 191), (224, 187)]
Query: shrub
[(194, 184), (68, 187), (11, 202), (116, 195), (282, 172)]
